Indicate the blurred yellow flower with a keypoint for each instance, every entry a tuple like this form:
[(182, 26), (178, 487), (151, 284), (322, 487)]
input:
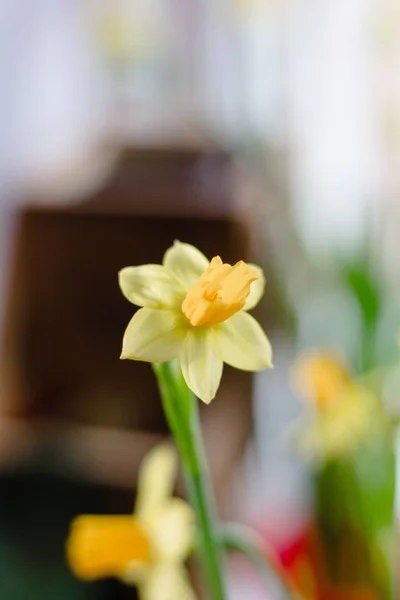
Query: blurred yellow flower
[(320, 378), (196, 310), (343, 409), (146, 549)]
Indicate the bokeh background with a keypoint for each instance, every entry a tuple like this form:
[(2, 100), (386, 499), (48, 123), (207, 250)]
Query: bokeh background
[(267, 130)]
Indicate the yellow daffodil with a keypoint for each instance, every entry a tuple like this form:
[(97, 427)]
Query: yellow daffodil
[(195, 310), (146, 549), (342, 408)]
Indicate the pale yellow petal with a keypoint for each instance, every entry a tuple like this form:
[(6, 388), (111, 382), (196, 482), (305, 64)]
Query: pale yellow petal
[(153, 335), (135, 572), (151, 286), (167, 581), (201, 363), (244, 344), (340, 429), (185, 262), (156, 479), (256, 289), (172, 530), (319, 440)]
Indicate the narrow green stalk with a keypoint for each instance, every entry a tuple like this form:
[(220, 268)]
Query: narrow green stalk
[(181, 411), (241, 539)]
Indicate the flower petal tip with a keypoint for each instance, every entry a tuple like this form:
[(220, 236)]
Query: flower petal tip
[(207, 400), (267, 365)]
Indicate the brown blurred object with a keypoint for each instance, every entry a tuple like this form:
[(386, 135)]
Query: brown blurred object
[(66, 315)]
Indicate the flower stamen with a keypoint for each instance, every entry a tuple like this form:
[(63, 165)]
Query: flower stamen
[(219, 293)]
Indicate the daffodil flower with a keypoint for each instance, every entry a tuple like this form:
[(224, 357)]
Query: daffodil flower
[(146, 549), (343, 410), (195, 310)]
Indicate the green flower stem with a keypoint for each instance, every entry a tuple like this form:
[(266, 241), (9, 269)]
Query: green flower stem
[(240, 538), (181, 411)]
